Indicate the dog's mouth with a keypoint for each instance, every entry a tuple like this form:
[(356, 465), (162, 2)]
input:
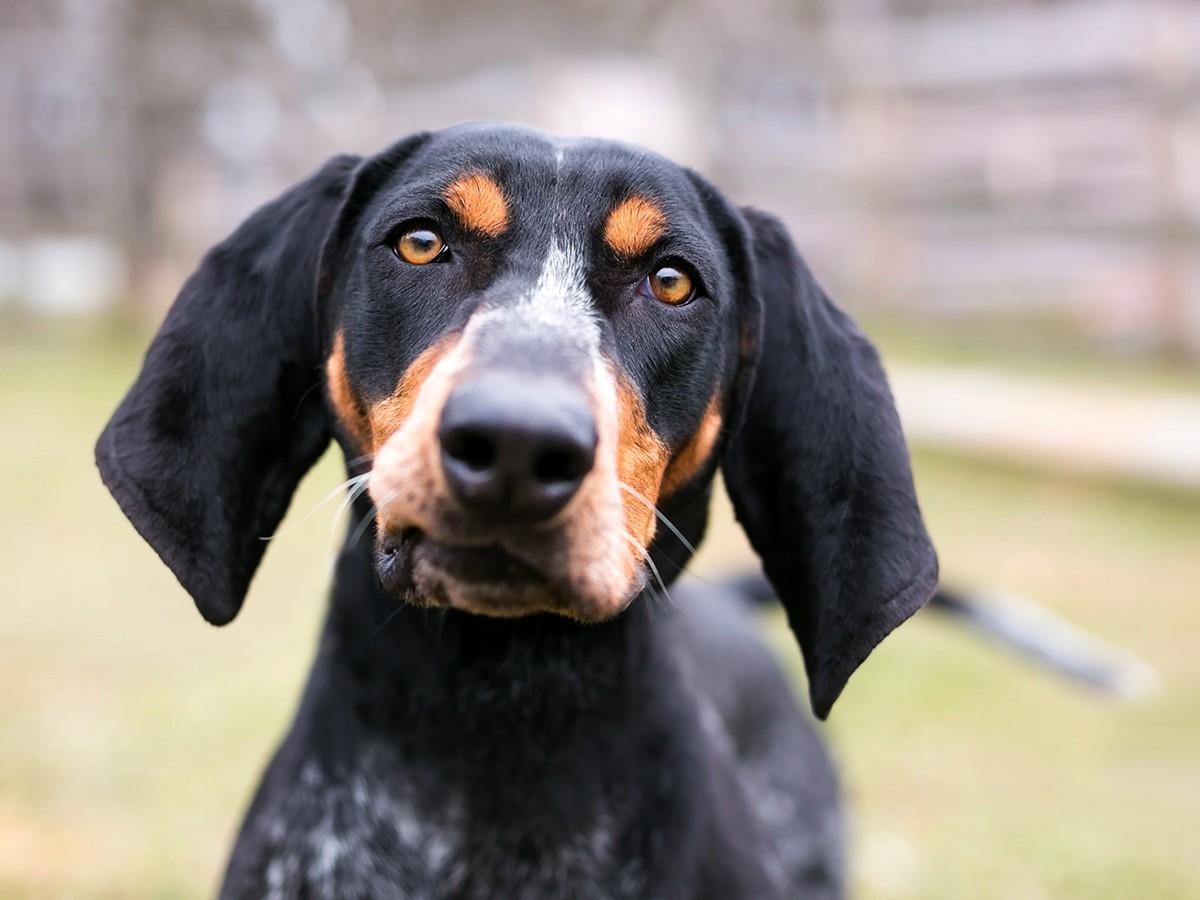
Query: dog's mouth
[(479, 564), (479, 578)]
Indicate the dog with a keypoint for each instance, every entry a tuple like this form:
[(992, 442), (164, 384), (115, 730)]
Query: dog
[(536, 355)]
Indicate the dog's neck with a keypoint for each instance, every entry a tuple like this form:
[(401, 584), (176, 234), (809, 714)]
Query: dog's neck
[(443, 682)]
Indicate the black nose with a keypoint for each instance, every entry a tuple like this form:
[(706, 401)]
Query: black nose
[(516, 447)]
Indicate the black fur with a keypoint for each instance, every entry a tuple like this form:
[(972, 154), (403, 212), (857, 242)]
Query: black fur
[(819, 475), (227, 415), (658, 754)]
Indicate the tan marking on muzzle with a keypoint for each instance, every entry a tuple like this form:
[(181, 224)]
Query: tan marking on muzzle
[(406, 479), (479, 203), (696, 452), (641, 461), (346, 405), (634, 225), (389, 414)]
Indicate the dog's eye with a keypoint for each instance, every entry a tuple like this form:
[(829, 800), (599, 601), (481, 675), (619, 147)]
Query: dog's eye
[(420, 245), (669, 284)]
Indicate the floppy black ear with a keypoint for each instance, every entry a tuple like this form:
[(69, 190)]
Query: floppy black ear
[(819, 472), (227, 414)]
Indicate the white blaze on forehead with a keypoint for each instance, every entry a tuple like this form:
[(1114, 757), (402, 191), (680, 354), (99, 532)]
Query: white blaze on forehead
[(558, 306), (560, 291)]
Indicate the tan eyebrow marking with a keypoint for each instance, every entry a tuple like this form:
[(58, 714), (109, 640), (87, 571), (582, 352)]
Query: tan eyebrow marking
[(479, 203), (634, 225)]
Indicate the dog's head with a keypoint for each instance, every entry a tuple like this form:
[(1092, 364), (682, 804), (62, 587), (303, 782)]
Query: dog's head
[(542, 352)]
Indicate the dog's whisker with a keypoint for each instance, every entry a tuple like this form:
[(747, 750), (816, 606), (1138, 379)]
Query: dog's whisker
[(658, 601), (661, 583), (659, 514), (363, 483), (687, 570), (681, 567), (649, 562), (386, 619), (369, 517), (348, 483), (638, 545), (654, 598), (366, 457)]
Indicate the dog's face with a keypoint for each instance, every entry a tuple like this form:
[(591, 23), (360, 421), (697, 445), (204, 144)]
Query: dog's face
[(532, 347), (534, 351)]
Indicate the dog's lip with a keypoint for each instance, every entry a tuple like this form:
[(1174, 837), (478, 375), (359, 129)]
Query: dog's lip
[(475, 563), (480, 564)]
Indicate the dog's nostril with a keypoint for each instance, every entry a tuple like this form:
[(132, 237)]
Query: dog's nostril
[(474, 449), (559, 464), (516, 449)]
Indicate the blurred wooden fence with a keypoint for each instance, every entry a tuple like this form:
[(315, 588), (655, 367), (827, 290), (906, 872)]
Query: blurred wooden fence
[(1037, 159)]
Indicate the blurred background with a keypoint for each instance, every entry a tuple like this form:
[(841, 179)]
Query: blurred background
[(1006, 193)]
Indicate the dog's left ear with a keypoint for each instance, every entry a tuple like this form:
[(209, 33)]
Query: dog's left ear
[(819, 471), (227, 414)]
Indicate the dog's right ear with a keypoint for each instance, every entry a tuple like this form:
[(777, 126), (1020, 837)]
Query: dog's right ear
[(228, 412)]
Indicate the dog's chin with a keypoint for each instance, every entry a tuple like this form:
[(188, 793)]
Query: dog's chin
[(484, 580)]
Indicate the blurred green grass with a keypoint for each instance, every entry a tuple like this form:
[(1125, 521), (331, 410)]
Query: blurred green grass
[(131, 733)]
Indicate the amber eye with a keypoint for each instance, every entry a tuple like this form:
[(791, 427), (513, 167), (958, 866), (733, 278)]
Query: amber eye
[(668, 284), (420, 246)]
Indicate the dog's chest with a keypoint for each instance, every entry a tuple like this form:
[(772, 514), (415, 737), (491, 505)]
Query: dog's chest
[(384, 837)]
